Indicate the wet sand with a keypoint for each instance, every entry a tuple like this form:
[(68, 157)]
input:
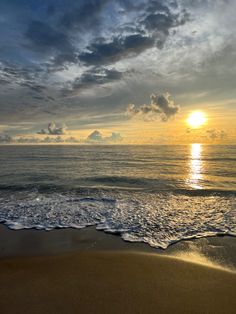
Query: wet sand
[(92, 272)]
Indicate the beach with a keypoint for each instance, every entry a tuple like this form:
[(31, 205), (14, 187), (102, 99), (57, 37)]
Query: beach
[(87, 271), (117, 157), (156, 234)]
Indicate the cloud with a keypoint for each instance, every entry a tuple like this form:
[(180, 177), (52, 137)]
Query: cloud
[(26, 140), (49, 46), (97, 137), (114, 137), (83, 16), (161, 106), (71, 140), (48, 139), (5, 139), (96, 76), (100, 53), (161, 18), (42, 131), (93, 138), (43, 37), (209, 134), (53, 129), (151, 28), (27, 81), (18, 74), (215, 134), (35, 140)]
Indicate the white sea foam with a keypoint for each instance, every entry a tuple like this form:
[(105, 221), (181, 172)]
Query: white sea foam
[(158, 219)]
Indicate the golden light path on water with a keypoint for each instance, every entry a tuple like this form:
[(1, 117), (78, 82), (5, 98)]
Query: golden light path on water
[(195, 167)]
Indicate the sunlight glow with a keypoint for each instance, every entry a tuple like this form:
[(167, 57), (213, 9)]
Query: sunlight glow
[(195, 167), (196, 119)]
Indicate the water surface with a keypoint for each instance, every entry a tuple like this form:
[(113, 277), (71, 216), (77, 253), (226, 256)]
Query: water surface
[(154, 194)]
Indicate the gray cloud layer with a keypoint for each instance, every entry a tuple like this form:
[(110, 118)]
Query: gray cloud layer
[(96, 76), (66, 59)]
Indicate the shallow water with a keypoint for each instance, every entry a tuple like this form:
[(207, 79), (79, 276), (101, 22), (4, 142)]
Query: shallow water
[(154, 194)]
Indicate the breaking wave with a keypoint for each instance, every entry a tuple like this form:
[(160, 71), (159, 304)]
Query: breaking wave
[(158, 219)]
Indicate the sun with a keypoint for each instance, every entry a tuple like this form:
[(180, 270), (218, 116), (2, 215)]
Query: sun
[(196, 119)]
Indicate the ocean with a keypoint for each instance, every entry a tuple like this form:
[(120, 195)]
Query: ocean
[(153, 194)]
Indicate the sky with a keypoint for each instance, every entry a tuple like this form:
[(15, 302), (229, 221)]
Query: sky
[(117, 71)]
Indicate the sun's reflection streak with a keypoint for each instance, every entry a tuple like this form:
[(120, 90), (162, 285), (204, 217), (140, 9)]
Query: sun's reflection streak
[(195, 167)]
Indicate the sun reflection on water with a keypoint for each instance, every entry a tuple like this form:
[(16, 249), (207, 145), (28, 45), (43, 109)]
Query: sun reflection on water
[(195, 167)]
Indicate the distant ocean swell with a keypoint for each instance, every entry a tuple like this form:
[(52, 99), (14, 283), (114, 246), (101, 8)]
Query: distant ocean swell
[(157, 218)]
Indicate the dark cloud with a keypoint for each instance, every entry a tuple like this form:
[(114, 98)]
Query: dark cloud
[(96, 76), (160, 19), (49, 36), (165, 104), (161, 106), (157, 20), (120, 47), (158, 6), (164, 15), (60, 61), (84, 15), (43, 37), (51, 10), (53, 129)]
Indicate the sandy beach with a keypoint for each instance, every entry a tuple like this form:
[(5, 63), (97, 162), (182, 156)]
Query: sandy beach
[(110, 276), (113, 282)]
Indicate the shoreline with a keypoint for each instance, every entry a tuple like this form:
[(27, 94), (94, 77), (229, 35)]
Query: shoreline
[(89, 271), (216, 250)]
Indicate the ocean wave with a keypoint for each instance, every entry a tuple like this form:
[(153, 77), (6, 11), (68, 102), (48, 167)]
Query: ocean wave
[(114, 183), (158, 219)]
